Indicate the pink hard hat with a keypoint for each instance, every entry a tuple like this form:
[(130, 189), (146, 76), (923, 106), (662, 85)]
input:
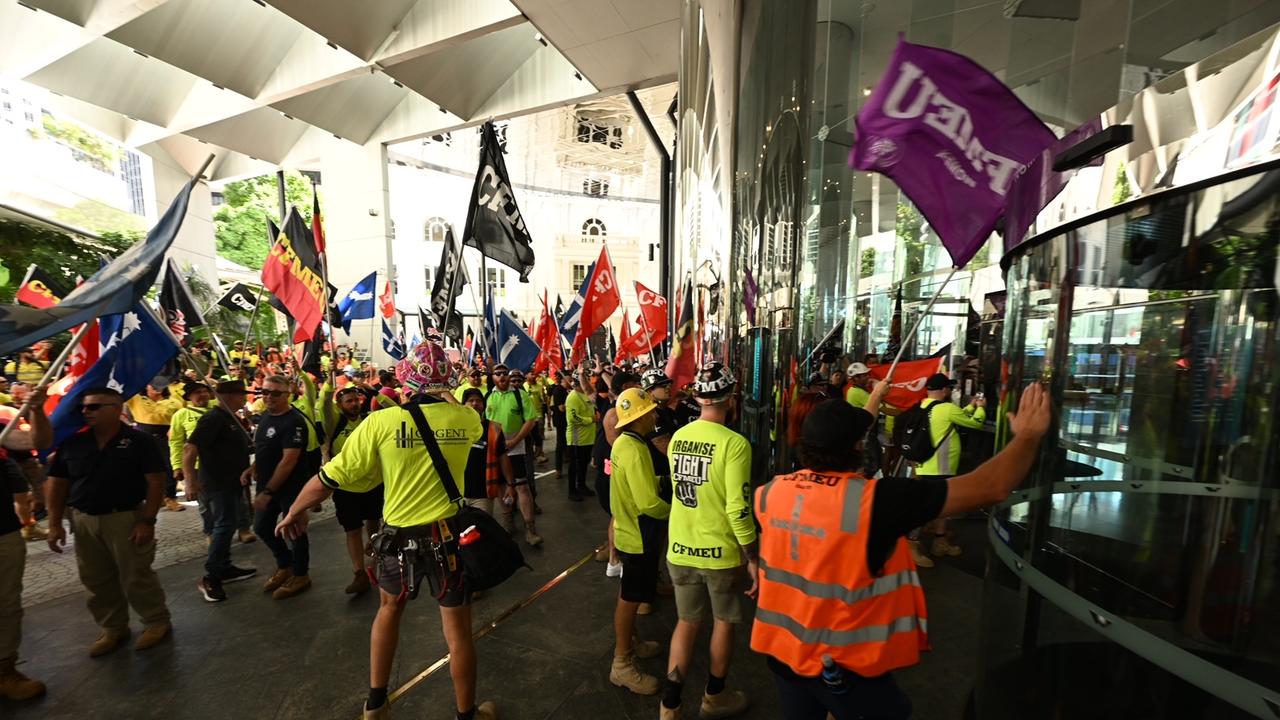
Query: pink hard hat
[(425, 368)]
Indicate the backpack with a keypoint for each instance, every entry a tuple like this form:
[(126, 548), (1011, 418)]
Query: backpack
[(912, 434)]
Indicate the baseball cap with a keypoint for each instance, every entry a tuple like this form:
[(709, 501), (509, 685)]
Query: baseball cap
[(835, 426), (231, 386), (938, 381), (857, 369)]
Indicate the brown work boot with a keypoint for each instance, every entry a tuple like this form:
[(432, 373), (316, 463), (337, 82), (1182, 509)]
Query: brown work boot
[(942, 547), (278, 578), (109, 641), (626, 674), (359, 584), (294, 585), (532, 537), (247, 536), (16, 686), (919, 557), (726, 703), (34, 533), (486, 711), (151, 636), (172, 505)]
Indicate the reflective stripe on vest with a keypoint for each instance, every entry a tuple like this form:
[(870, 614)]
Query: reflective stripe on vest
[(830, 591), (842, 638)]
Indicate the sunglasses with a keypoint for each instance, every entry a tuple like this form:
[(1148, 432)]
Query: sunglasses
[(275, 393), (500, 373), (94, 407)]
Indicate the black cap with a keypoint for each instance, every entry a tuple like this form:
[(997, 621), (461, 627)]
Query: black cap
[(191, 387), (938, 381), (835, 426), (231, 387)]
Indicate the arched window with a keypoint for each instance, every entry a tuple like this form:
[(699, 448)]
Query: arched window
[(593, 230), (435, 230)]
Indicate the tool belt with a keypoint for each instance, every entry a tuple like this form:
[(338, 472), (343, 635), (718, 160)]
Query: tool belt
[(427, 552)]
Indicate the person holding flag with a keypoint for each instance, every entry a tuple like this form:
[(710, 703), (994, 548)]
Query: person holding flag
[(512, 408)]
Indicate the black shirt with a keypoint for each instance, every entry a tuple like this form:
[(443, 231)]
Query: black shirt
[(223, 447), (478, 462), (601, 449), (559, 396), (111, 479), (275, 434), (12, 478), (901, 505)]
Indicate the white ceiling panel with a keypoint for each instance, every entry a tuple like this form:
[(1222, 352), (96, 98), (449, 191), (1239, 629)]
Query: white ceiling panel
[(462, 78), (110, 75), (237, 45), (352, 109), (263, 133), (360, 26), (648, 13), (29, 39)]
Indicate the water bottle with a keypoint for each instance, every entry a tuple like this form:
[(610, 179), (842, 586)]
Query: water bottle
[(833, 676), (507, 501)]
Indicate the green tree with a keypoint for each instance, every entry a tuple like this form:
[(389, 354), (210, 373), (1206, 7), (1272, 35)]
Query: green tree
[(868, 263), (909, 227), (240, 223), (1121, 191), (55, 252), (87, 145), (99, 218)]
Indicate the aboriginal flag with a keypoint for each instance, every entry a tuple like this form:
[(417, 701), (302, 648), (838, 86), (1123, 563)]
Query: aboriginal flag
[(292, 273)]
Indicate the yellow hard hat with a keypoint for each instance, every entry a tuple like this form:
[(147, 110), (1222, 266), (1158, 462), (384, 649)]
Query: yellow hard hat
[(633, 403)]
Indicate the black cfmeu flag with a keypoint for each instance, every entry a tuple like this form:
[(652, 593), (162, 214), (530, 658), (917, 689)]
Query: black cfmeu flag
[(180, 310), (494, 223), (113, 290), (239, 297), (444, 290)]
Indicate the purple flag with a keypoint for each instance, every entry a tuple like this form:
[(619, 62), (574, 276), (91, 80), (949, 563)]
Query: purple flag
[(750, 291), (953, 137), (1040, 184)]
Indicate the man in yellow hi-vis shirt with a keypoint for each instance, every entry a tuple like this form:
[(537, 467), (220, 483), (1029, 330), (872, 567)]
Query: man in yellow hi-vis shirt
[(417, 508), (152, 411)]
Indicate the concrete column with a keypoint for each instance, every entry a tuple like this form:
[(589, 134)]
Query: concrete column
[(195, 244), (356, 208)]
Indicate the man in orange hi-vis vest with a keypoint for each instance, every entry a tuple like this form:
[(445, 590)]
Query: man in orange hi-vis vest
[(840, 603)]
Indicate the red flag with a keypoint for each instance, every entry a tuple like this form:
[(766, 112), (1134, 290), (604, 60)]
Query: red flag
[(387, 302), (38, 289), (86, 353), (317, 231), (292, 273), (624, 340), (653, 316), (548, 338), (907, 388), (602, 299), (682, 366)]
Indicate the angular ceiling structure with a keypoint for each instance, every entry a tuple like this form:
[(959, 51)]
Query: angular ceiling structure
[(266, 83)]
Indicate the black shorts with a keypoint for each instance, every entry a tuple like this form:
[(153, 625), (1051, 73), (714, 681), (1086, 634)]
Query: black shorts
[(639, 575), (354, 508), (446, 584), (602, 488), (519, 471)]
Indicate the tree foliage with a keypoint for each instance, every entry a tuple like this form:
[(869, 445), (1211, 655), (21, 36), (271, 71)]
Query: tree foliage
[(55, 252), (231, 325), (88, 145), (240, 223)]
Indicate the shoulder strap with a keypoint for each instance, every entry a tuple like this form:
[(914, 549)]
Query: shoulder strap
[(433, 448)]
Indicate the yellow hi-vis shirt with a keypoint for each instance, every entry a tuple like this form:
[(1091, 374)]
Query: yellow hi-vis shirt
[(153, 412), (580, 413), (633, 491), (386, 447), (711, 507)]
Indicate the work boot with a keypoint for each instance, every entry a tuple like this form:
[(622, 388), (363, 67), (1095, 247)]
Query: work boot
[(295, 585), (486, 711), (942, 547), (172, 505), (509, 522), (666, 713), (247, 536), (278, 578), (16, 686), (151, 636), (644, 649), (359, 583), (626, 674), (726, 703), (109, 641), (531, 537), (34, 533), (382, 713), (920, 558), (645, 609)]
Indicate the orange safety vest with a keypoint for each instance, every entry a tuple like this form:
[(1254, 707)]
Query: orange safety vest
[(492, 468), (817, 595)]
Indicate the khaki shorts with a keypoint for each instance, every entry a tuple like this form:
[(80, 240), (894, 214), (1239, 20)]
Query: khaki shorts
[(694, 586)]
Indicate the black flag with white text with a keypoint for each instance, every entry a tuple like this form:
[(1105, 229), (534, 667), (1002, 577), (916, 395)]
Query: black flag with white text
[(494, 223)]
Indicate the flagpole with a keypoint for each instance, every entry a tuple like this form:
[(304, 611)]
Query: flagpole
[(53, 369), (485, 296), (453, 298), (253, 316), (327, 322), (648, 335), (915, 326)]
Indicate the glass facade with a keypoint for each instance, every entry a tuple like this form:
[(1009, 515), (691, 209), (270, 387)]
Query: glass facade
[(1136, 573)]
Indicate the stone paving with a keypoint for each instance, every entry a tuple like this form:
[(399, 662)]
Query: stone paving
[(50, 575)]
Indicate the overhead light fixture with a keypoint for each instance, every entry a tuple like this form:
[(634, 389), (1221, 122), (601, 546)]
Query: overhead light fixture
[(217, 86), (396, 82), (540, 39), (446, 112), (331, 44), (577, 74), (286, 115), (337, 136), (140, 53), (263, 3)]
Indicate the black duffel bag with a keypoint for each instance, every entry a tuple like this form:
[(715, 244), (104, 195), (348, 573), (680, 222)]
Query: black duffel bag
[(489, 558)]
